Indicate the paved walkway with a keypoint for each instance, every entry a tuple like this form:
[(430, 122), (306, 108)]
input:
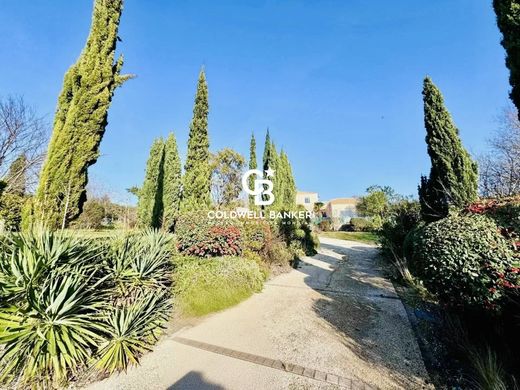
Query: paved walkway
[(334, 323)]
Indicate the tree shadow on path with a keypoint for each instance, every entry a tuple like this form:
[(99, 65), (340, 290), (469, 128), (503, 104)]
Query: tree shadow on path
[(363, 307)]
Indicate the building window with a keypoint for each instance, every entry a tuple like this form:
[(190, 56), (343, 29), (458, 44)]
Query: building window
[(307, 200)]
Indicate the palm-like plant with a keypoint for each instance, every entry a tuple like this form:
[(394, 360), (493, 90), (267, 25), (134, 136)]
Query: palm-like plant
[(139, 262), (131, 330), (61, 308), (53, 333), (27, 259)]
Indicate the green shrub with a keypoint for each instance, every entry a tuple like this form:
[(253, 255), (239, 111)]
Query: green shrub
[(463, 260), (257, 234), (403, 218), (198, 235), (203, 286), (11, 206), (325, 225), (279, 254), (361, 225)]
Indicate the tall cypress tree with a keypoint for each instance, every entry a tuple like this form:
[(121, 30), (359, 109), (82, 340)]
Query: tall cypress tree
[(453, 176), (289, 187), (80, 120), (172, 183), (278, 178), (508, 21), (150, 204), (252, 165), (16, 177), (267, 151), (197, 170)]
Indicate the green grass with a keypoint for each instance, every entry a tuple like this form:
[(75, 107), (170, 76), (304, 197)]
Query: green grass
[(364, 237), (207, 285)]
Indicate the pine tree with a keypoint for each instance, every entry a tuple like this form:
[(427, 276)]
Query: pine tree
[(453, 176), (508, 21), (197, 170), (80, 120), (172, 183), (150, 204), (16, 177), (252, 165)]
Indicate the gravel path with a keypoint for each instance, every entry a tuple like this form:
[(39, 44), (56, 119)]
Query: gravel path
[(334, 323)]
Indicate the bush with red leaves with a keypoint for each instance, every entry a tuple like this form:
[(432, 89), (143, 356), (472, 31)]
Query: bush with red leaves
[(198, 235)]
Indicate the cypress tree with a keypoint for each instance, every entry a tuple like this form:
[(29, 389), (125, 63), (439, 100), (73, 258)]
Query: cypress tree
[(252, 165), (267, 151), (289, 187), (150, 204), (453, 175), (197, 170), (16, 177), (508, 21), (278, 179), (172, 183), (80, 120)]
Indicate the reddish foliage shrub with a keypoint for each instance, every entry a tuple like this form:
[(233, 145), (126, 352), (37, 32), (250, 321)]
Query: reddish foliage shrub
[(197, 235)]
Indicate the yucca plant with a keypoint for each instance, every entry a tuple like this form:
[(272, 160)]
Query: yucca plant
[(52, 334), (26, 259), (140, 262), (61, 309), (131, 330)]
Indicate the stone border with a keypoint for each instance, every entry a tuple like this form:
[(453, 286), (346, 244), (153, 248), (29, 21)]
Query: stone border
[(347, 383)]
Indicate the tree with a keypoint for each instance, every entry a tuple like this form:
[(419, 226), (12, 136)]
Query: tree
[(197, 172), (22, 133), (267, 151), (374, 205), (92, 215), (508, 21), (134, 190), (16, 178), (227, 167), (80, 120), (453, 176), (500, 167), (252, 165), (150, 204), (172, 186), (288, 185)]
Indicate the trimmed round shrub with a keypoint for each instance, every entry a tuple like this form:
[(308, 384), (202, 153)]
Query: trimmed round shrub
[(198, 235), (463, 260)]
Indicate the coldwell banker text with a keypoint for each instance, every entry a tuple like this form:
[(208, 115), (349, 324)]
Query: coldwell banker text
[(253, 214)]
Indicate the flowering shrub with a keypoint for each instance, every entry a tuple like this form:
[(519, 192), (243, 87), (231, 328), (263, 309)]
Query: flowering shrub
[(506, 213), (465, 261), (198, 235)]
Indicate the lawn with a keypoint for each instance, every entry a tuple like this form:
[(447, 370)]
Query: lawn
[(365, 237)]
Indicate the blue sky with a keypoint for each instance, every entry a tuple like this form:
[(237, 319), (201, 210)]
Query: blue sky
[(337, 82)]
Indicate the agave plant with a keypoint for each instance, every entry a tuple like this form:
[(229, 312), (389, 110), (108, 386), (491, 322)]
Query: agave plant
[(131, 330)]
